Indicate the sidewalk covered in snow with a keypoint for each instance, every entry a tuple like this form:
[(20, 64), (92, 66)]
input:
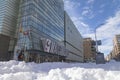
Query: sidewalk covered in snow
[(14, 70)]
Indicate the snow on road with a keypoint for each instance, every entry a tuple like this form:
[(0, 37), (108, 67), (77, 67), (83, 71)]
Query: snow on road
[(14, 70)]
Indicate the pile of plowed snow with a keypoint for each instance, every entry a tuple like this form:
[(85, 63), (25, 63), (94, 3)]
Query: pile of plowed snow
[(14, 70)]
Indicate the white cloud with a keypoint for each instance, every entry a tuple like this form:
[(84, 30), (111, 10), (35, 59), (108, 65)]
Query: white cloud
[(87, 12), (107, 32), (101, 11), (90, 1), (111, 27), (86, 8), (102, 6), (69, 5), (81, 26)]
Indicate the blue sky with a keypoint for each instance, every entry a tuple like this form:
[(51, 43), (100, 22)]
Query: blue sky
[(88, 15)]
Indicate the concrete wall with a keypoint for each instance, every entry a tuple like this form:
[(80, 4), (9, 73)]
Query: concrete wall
[(4, 45)]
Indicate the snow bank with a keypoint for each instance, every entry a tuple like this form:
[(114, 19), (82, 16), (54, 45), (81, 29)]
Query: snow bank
[(14, 70)]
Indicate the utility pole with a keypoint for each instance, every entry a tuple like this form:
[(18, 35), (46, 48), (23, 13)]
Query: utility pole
[(96, 42), (96, 37), (99, 55)]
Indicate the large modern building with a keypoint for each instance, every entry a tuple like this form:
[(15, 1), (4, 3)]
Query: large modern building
[(42, 32), (73, 41), (89, 49), (8, 21), (42, 29)]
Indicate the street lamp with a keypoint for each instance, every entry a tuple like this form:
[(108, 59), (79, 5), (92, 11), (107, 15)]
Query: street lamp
[(96, 41), (99, 55)]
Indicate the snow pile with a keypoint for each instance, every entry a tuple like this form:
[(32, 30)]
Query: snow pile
[(14, 70)]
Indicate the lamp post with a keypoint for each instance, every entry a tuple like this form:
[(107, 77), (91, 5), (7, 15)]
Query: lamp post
[(96, 41), (99, 55), (96, 37)]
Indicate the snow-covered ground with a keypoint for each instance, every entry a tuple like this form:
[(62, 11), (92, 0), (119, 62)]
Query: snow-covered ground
[(14, 70)]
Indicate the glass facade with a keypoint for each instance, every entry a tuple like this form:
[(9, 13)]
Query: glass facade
[(73, 40), (8, 22), (2, 10), (8, 17), (40, 19)]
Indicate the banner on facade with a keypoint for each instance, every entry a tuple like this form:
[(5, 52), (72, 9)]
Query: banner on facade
[(46, 45), (53, 47)]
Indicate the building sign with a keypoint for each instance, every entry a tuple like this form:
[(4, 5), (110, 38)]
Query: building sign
[(98, 42), (53, 47), (47, 45)]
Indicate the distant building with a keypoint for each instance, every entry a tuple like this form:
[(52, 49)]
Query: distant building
[(116, 48), (8, 22), (89, 49), (109, 56)]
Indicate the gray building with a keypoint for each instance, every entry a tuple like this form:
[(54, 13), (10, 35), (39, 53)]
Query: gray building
[(8, 20), (73, 40)]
